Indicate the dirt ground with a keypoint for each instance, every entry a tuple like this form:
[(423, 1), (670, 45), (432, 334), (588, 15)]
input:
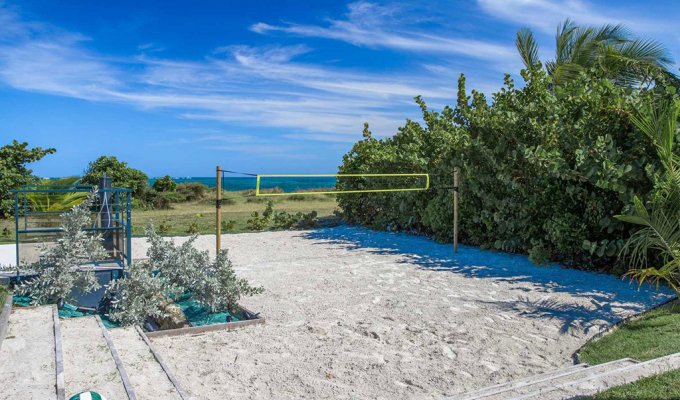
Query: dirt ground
[(354, 314)]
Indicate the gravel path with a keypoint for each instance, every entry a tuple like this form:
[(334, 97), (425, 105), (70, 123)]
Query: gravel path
[(27, 358), (354, 314)]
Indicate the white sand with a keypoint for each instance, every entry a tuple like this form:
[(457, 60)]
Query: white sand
[(148, 379), (88, 363), (359, 314), (27, 359)]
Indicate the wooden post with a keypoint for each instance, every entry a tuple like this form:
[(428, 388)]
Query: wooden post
[(218, 211), (456, 173)]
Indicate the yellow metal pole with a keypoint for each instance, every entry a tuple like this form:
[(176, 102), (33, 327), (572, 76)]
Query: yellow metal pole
[(456, 173), (218, 210)]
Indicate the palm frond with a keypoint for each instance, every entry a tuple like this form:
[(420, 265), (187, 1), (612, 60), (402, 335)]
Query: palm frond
[(528, 49)]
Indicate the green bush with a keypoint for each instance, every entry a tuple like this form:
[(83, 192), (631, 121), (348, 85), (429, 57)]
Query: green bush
[(192, 190), (544, 169), (13, 171), (164, 184), (120, 173)]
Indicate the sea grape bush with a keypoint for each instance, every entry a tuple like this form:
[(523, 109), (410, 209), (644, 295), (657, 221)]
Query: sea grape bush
[(544, 169)]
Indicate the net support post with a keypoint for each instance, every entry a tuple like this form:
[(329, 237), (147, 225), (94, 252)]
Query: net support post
[(456, 178), (218, 210)]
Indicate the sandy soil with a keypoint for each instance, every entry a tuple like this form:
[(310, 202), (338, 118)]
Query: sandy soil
[(359, 314), (148, 379), (88, 364), (27, 359)]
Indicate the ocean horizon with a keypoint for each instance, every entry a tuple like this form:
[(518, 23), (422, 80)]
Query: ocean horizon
[(287, 184)]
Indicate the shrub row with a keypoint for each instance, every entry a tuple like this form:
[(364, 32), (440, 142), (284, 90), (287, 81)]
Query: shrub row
[(544, 170)]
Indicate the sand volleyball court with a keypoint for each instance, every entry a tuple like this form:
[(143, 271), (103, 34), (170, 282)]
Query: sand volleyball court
[(354, 314)]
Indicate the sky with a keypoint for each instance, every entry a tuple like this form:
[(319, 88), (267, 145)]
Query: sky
[(178, 87)]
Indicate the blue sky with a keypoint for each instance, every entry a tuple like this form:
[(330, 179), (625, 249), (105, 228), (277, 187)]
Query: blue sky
[(272, 86)]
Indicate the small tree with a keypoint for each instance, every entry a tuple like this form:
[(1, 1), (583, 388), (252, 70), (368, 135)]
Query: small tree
[(164, 184), (176, 269), (120, 173), (13, 171), (133, 299), (57, 266)]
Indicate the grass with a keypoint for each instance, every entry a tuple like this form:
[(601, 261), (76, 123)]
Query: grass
[(656, 334), (3, 295), (199, 216)]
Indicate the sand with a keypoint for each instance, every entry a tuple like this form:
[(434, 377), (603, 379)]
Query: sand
[(88, 364), (148, 379), (27, 358), (354, 314)]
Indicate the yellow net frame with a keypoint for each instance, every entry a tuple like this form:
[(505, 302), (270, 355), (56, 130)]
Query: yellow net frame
[(261, 194)]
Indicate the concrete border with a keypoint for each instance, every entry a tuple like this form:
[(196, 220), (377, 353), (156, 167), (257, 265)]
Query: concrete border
[(58, 355), (576, 356), (119, 363), (182, 394), (4, 317)]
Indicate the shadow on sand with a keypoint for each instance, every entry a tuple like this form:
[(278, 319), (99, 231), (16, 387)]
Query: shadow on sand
[(606, 299)]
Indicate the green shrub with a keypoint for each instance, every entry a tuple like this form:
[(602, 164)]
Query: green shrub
[(192, 190), (228, 226), (13, 171), (164, 184), (544, 169), (120, 173)]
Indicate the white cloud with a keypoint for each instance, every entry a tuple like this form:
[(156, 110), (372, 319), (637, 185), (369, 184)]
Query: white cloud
[(545, 15), (367, 24)]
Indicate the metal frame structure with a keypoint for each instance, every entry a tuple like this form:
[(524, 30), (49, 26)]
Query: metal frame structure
[(111, 217)]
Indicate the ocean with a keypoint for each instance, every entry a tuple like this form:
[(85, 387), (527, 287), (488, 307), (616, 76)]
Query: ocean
[(244, 183)]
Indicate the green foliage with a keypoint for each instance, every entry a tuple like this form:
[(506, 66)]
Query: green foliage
[(57, 201), (544, 169), (120, 173), (654, 250), (13, 171), (258, 222), (56, 276), (228, 226), (192, 191), (164, 184)]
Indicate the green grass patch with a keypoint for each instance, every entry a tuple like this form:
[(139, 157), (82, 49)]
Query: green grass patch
[(655, 335), (664, 386), (4, 291)]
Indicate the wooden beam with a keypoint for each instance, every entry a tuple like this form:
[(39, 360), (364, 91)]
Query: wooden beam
[(119, 363), (192, 330), (164, 366), (456, 173), (218, 211), (58, 355)]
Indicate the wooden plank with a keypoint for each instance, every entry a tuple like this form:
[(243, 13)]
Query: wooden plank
[(163, 365), (192, 330), (58, 355), (119, 364), (4, 317)]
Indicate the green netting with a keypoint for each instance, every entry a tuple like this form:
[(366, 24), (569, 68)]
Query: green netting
[(199, 315), (195, 313), (68, 311)]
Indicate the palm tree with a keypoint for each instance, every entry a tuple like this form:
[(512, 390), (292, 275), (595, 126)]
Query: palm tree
[(611, 49), (658, 239)]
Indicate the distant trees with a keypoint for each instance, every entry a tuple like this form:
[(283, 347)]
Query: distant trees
[(611, 50), (13, 171), (120, 173), (164, 184)]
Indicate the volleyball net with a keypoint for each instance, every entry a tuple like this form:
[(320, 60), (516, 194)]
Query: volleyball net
[(267, 185)]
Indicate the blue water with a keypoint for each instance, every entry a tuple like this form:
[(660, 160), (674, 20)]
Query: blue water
[(244, 183)]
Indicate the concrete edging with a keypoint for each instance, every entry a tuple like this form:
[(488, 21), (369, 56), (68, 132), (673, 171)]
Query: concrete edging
[(4, 317)]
